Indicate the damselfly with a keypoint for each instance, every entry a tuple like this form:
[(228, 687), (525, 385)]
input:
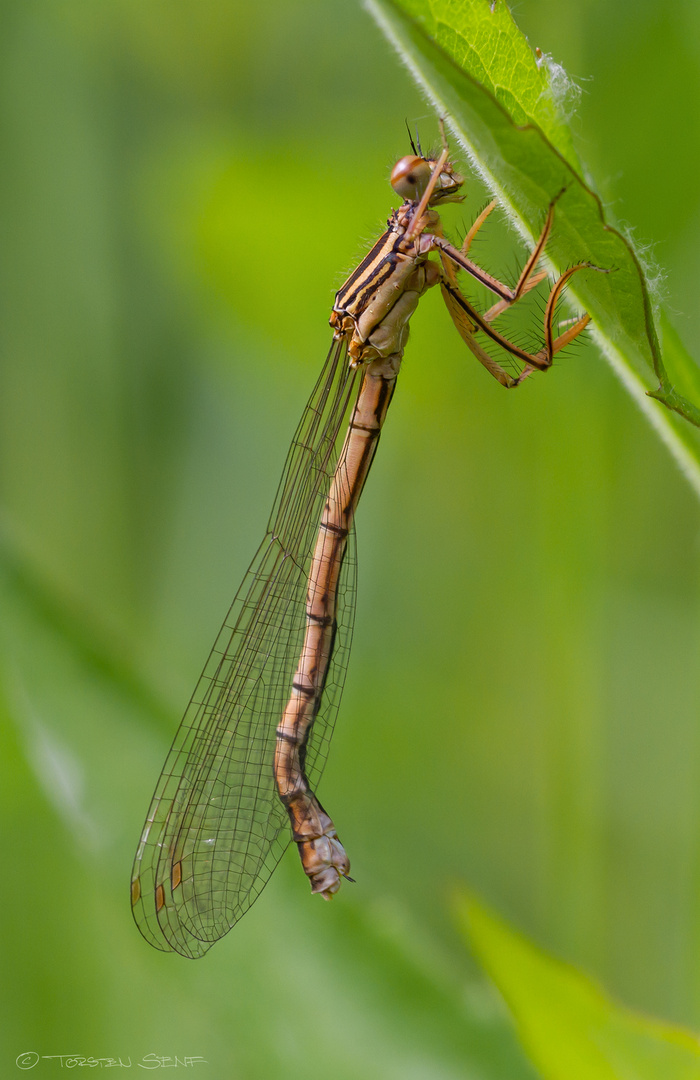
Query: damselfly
[(251, 747)]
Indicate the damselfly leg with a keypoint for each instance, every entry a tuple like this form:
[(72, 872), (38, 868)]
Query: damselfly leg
[(469, 321)]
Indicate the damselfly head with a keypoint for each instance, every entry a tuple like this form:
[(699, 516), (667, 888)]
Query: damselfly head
[(411, 175)]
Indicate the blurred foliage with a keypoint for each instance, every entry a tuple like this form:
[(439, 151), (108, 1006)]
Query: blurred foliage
[(572, 1030), (183, 189)]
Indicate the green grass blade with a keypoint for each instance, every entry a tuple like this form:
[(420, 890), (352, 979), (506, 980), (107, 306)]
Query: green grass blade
[(571, 1029), (477, 69)]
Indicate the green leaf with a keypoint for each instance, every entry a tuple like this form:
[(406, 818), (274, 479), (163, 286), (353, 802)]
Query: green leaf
[(682, 385), (503, 104), (570, 1027), (489, 47)]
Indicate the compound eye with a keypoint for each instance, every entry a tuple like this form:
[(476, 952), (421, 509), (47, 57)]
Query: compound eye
[(410, 176)]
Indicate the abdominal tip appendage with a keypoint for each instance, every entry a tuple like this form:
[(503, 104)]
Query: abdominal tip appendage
[(326, 883)]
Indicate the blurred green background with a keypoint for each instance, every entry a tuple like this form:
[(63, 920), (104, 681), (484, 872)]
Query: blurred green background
[(184, 187)]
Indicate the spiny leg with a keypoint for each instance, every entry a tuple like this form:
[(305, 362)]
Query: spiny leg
[(553, 345), (452, 258), (469, 322), (476, 225), (451, 270)]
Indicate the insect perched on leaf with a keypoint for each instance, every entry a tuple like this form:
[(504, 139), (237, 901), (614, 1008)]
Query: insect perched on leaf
[(253, 742)]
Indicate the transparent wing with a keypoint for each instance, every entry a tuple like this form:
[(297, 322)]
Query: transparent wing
[(216, 828)]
